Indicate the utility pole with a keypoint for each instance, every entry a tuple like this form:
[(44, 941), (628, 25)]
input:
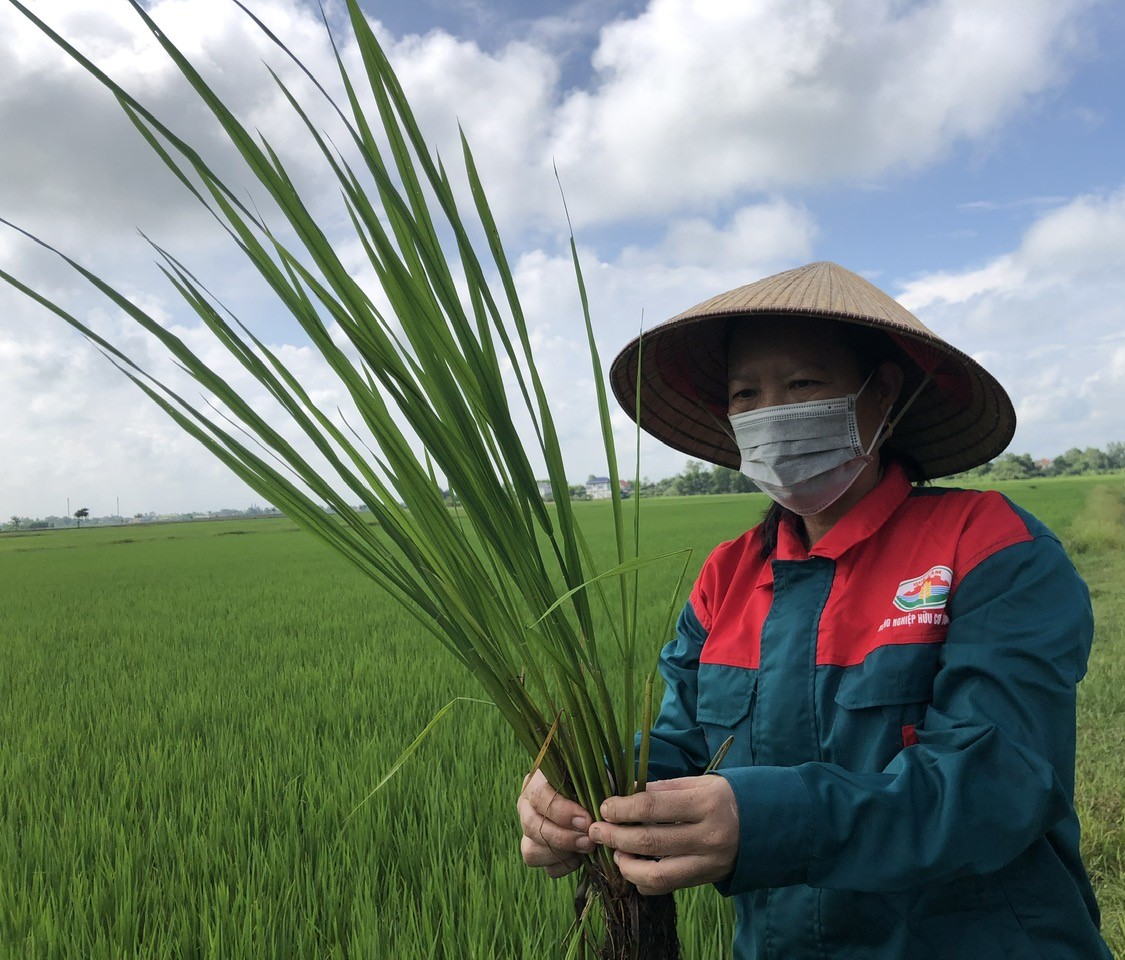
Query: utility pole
[(118, 507)]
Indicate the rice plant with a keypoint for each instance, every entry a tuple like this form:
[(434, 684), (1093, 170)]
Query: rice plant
[(506, 583)]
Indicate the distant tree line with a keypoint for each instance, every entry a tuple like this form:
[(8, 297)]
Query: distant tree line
[(17, 523), (1020, 466), (698, 478)]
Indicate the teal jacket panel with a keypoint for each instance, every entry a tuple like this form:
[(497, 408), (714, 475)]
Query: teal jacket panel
[(907, 793)]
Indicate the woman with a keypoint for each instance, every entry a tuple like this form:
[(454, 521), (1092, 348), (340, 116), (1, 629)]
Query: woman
[(896, 665)]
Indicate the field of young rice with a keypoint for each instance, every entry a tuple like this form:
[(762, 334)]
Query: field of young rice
[(190, 713)]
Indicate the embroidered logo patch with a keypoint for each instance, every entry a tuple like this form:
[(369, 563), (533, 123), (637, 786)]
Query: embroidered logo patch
[(930, 590)]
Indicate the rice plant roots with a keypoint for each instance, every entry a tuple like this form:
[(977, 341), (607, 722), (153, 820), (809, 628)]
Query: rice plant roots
[(636, 927)]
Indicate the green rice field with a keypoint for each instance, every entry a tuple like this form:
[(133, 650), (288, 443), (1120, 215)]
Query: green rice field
[(189, 713)]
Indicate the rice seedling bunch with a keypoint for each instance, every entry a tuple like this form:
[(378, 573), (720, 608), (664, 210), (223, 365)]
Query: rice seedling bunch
[(506, 582)]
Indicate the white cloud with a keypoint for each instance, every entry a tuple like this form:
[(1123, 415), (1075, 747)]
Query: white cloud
[(76, 428), (72, 158), (1117, 364), (693, 104), (706, 101), (701, 116), (1046, 319), (765, 233), (504, 102), (1000, 274), (1077, 248), (83, 431)]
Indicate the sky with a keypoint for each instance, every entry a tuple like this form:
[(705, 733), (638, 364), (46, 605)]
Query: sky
[(967, 158)]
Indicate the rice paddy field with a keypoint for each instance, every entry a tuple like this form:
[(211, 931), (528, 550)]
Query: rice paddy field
[(192, 717)]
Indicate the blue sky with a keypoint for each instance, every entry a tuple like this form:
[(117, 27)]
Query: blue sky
[(968, 158)]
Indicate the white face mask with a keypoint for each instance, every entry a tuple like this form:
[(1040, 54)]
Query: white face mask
[(804, 455)]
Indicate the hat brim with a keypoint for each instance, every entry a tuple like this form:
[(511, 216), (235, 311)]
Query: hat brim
[(961, 418)]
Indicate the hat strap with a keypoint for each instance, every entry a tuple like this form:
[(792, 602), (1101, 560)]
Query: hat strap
[(906, 406)]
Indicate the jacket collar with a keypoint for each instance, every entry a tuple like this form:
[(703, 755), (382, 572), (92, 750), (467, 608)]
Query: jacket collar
[(858, 524)]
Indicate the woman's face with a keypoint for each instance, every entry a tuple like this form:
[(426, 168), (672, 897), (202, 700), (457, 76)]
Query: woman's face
[(804, 358)]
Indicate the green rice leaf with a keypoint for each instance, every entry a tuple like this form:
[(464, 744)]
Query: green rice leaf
[(411, 749)]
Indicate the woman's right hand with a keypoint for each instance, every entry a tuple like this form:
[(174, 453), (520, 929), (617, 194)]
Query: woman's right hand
[(555, 830)]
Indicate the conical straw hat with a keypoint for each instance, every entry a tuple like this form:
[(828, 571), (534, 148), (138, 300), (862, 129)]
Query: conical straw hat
[(961, 418)]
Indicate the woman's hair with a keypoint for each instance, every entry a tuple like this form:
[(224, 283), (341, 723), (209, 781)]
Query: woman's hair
[(870, 348)]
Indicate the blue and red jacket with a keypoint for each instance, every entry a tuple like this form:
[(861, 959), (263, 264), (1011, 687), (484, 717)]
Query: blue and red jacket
[(902, 701)]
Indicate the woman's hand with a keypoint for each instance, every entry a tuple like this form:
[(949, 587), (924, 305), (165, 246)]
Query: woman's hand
[(554, 828), (689, 825)]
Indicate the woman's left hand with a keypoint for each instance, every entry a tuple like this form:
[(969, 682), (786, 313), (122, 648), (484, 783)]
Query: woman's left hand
[(689, 825)]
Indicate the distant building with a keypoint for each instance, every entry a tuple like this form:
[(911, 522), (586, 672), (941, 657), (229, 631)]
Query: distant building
[(597, 488), (545, 490)]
